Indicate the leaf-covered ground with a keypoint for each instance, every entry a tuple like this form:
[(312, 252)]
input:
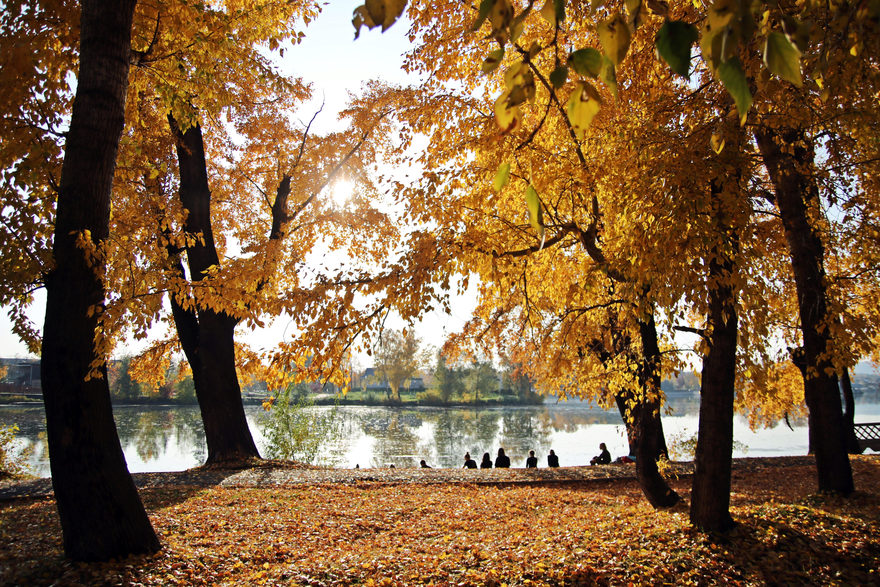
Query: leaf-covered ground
[(569, 533)]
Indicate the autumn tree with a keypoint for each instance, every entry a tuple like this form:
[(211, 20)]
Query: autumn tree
[(38, 51), (726, 42), (101, 513), (504, 251), (205, 328), (230, 197), (397, 359)]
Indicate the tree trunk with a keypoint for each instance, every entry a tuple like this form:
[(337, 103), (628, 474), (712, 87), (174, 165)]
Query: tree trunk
[(621, 343), (647, 424), (849, 414), (623, 400), (207, 336), (102, 516), (788, 156), (710, 494)]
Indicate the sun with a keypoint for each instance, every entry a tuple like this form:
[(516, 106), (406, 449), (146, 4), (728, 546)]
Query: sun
[(340, 191)]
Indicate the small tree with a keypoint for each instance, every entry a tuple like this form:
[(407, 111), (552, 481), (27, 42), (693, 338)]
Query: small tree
[(293, 430), (450, 380), (482, 378), (397, 359)]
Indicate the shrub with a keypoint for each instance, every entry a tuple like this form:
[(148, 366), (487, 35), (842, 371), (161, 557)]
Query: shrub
[(683, 446), (12, 461), (294, 431)]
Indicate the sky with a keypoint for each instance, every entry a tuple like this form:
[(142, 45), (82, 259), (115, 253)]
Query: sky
[(336, 64)]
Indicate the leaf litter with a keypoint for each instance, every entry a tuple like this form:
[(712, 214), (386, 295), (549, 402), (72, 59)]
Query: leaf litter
[(414, 533)]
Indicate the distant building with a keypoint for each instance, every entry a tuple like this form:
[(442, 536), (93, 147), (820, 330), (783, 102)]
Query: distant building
[(22, 377), (373, 381)]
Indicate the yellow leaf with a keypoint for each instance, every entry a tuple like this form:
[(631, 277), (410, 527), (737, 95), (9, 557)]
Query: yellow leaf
[(507, 116), (615, 37), (583, 105)]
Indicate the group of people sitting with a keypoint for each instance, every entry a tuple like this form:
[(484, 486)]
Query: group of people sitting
[(502, 461)]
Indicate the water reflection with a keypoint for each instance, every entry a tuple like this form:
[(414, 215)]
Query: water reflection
[(153, 432), (172, 438)]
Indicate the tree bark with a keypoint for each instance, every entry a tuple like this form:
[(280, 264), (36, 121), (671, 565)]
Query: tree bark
[(788, 156), (647, 424), (207, 336), (620, 344), (623, 401), (849, 414), (102, 516), (710, 494)]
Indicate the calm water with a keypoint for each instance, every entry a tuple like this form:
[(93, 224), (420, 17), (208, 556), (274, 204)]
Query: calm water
[(171, 438)]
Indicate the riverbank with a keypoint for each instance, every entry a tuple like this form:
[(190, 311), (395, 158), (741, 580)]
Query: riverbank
[(288, 525)]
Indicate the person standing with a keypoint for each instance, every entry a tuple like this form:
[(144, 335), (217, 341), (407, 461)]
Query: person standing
[(552, 459), (532, 461)]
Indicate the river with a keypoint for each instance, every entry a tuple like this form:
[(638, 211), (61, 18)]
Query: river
[(170, 438)]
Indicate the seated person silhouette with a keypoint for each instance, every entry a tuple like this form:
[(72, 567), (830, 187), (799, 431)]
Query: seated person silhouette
[(486, 463), (552, 459), (502, 461), (532, 461), (603, 458), (469, 463), (424, 465)]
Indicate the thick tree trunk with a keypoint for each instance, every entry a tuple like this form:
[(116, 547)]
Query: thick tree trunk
[(710, 495), (648, 428), (102, 516), (788, 156), (207, 336)]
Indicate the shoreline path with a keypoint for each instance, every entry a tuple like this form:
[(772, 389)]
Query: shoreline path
[(284, 473)]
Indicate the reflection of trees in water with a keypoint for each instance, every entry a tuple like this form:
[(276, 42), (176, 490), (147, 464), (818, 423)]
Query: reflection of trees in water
[(146, 431), (572, 421), (525, 430), (378, 421), (395, 440), (398, 435), (36, 450), (30, 420), (460, 431), (190, 431), (150, 431), (31, 435), (683, 405)]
